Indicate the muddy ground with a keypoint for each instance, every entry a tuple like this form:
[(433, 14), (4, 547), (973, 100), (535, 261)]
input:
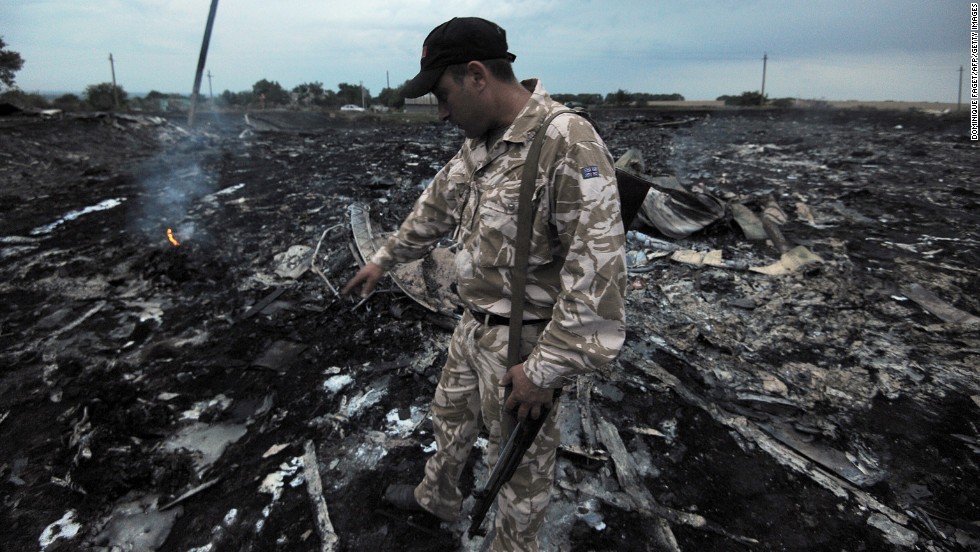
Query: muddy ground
[(831, 408)]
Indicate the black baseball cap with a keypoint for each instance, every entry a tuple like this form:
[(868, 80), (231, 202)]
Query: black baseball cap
[(459, 40)]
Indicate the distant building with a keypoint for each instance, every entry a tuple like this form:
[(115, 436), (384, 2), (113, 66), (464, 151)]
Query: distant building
[(425, 104), (171, 104), (685, 103)]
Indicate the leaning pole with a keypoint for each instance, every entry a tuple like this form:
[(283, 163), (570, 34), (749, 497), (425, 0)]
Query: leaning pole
[(200, 64)]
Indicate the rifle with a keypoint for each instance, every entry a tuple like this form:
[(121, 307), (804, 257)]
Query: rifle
[(510, 457)]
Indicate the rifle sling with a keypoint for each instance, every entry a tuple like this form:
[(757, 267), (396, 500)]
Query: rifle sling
[(522, 247)]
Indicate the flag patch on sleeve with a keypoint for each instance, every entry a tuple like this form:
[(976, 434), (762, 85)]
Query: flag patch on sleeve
[(590, 172)]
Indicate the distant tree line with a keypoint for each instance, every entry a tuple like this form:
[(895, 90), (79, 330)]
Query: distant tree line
[(266, 94), (618, 98)]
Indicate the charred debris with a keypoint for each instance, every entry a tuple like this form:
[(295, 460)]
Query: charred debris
[(180, 373)]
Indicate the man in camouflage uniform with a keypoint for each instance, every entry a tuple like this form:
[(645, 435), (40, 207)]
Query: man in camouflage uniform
[(576, 275)]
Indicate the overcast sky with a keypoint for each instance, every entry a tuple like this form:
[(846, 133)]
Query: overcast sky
[(830, 49)]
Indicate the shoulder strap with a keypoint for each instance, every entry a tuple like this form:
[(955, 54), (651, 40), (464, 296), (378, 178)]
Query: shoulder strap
[(522, 245)]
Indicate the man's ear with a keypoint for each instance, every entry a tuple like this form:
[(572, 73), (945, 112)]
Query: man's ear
[(479, 72)]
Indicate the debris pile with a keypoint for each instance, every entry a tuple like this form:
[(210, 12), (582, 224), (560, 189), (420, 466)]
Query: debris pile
[(179, 372)]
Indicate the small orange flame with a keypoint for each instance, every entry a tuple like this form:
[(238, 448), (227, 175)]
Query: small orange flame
[(170, 236)]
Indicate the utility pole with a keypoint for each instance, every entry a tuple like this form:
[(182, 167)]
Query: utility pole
[(362, 94), (210, 91), (959, 91), (388, 79), (115, 91), (762, 99), (200, 63)]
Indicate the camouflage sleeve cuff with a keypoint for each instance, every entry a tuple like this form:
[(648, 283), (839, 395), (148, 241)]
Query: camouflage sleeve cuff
[(554, 367), (384, 258), (546, 376)]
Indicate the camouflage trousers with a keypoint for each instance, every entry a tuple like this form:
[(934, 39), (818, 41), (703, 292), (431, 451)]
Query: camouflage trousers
[(468, 389)]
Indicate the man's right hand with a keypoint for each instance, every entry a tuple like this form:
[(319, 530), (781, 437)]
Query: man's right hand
[(368, 275), (526, 397)]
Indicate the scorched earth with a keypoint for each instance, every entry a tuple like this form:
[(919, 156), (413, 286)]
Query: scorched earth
[(177, 373)]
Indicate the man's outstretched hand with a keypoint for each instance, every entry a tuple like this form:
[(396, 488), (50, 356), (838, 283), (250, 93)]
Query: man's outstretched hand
[(527, 397), (368, 275)]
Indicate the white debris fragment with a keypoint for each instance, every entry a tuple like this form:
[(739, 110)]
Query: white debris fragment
[(363, 401), (371, 451), (230, 517), (893, 532), (335, 384), (206, 443), (294, 262), (772, 384), (220, 403), (136, 523), (275, 481), (403, 427), (649, 431), (669, 429), (101, 206), (274, 450), (588, 512), (149, 310), (212, 199), (64, 528), (636, 259), (49, 375), (9, 240)]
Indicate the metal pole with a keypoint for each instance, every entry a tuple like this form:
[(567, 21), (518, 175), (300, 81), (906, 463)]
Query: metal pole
[(765, 58), (115, 92), (200, 63), (959, 91), (210, 91)]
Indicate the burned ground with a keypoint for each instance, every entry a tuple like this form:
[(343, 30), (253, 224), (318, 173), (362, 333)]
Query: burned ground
[(830, 408)]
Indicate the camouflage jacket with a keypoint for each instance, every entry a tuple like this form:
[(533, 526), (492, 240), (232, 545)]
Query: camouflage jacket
[(576, 276)]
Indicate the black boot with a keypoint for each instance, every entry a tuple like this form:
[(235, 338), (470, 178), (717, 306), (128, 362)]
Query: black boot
[(403, 497)]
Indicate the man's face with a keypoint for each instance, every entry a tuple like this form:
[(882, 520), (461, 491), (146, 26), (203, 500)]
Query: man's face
[(459, 104)]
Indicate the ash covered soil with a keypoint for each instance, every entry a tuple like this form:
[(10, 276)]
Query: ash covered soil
[(162, 397)]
